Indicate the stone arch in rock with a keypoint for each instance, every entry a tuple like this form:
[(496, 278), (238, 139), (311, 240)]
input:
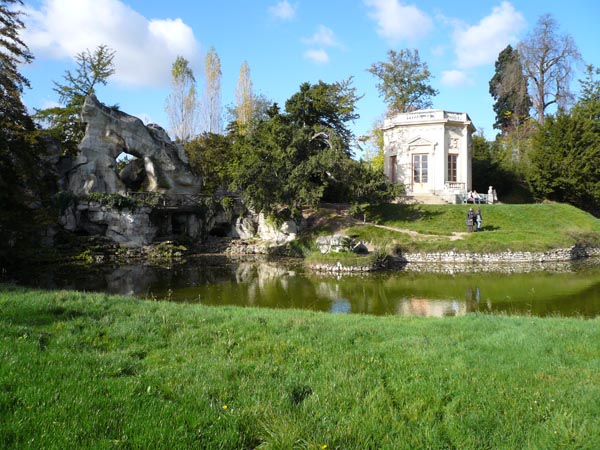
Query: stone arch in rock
[(109, 133)]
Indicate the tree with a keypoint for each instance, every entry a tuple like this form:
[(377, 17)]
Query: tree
[(22, 180), (404, 81), (210, 156), (301, 156), (493, 165), (14, 52), (15, 124), (508, 87), (212, 93), (590, 86), (244, 96), (16, 150), (93, 69), (373, 153), (323, 110), (564, 160), (548, 59), (182, 103)]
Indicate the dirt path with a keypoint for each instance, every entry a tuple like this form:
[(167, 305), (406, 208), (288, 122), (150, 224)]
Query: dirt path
[(456, 235), (344, 219)]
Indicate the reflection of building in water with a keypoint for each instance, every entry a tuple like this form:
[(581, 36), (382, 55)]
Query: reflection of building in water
[(431, 308)]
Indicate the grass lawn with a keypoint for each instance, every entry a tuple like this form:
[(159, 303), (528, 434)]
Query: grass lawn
[(532, 227), (95, 371)]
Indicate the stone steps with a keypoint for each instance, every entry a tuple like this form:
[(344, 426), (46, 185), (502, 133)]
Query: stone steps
[(425, 199)]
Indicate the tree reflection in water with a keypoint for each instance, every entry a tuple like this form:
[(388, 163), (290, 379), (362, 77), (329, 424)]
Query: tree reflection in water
[(277, 284)]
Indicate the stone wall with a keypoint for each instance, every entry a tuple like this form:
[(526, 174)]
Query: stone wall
[(454, 262), (562, 254)]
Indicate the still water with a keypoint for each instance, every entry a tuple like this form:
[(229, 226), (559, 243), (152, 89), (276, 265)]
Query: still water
[(283, 284)]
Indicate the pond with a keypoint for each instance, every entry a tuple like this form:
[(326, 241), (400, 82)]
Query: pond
[(214, 280)]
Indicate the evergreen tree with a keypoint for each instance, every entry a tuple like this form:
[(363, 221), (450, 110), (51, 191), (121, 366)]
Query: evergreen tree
[(508, 87), (13, 115), (590, 86), (564, 160), (21, 177), (93, 69), (301, 156), (323, 111), (17, 155), (210, 156)]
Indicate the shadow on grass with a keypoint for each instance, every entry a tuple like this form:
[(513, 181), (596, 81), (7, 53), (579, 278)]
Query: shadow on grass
[(42, 313), (329, 218), (399, 212), (489, 228)]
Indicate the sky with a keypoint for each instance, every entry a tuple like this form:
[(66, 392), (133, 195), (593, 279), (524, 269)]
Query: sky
[(288, 42)]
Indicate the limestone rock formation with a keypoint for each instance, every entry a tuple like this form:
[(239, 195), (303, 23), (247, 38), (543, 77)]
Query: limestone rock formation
[(127, 228), (109, 133), (267, 231), (334, 243)]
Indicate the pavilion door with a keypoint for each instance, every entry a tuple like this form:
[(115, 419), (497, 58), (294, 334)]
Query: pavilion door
[(420, 172)]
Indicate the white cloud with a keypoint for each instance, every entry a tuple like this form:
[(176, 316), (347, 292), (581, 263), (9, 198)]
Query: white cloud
[(397, 22), (145, 49), (455, 78), (324, 36), (480, 44), (318, 56), (283, 10)]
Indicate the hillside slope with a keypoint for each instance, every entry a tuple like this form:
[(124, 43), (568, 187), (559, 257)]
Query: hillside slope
[(534, 227)]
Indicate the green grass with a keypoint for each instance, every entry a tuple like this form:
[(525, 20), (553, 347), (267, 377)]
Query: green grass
[(95, 371), (535, 227)]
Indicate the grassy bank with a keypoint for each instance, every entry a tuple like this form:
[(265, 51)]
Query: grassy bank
[(90, 370), (534, 227)]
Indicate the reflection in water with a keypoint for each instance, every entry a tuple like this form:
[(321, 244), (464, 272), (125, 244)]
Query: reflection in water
[(220, 281), (341, 306), (431, 308)]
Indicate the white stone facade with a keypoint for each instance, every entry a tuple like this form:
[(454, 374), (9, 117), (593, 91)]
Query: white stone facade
[(429, 151)]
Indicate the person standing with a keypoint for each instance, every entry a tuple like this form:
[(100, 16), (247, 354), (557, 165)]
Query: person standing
[(470, 220), (478, 220)]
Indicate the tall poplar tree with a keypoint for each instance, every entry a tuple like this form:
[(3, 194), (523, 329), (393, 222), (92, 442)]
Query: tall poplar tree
[(213, 121), (244, 97), (182, 104)]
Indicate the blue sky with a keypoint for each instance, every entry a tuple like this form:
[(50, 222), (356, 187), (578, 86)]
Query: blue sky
[(289, 42)]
